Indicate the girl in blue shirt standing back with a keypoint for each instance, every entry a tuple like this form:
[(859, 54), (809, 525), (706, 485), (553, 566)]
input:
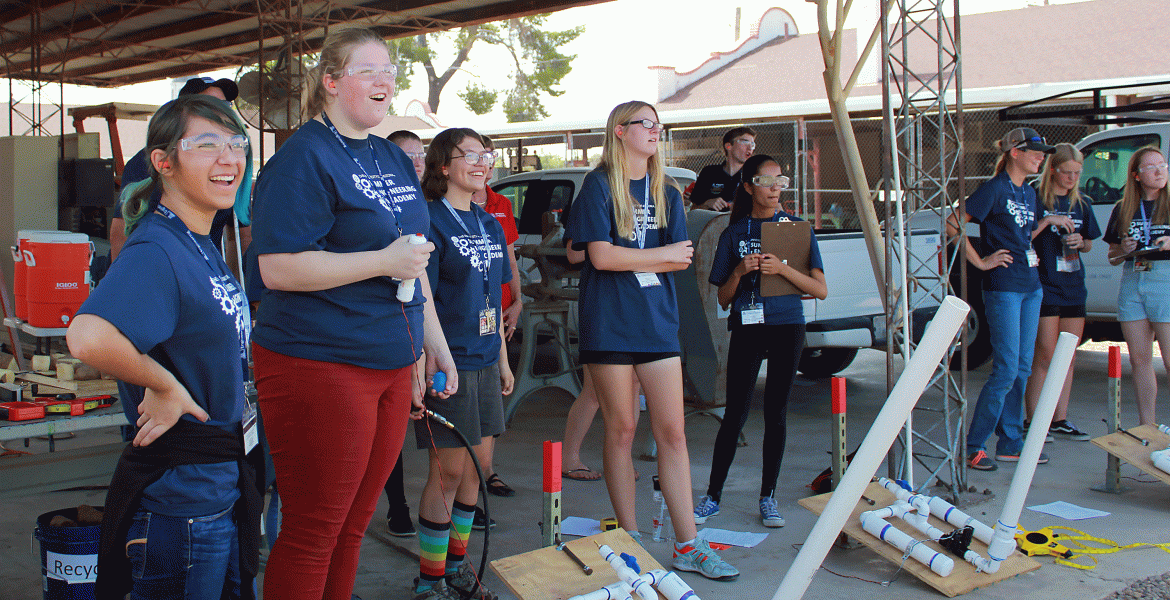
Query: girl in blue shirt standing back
[(633, 229), (771, 328)]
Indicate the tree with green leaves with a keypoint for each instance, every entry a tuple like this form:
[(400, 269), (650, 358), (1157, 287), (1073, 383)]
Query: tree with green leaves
[(538, 66)]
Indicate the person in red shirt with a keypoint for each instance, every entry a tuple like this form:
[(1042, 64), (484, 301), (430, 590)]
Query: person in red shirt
[(501, 208)]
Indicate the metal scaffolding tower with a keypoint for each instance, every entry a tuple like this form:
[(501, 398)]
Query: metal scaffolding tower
[(923, 173)]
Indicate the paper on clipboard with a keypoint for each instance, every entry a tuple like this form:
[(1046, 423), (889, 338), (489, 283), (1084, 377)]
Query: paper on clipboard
[(787, 240)]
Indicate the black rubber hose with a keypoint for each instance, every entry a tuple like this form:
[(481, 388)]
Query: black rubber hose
[(487, 516)]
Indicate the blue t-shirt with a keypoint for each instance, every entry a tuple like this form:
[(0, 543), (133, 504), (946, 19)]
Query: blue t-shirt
[(1063, 288), (617, 314), (1006, 214), (1141, 229), (186, 311), (136, 169), (311, 196), (459, 274), (737, 241)]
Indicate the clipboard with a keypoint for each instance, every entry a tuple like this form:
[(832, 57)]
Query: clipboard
[(787, 240)]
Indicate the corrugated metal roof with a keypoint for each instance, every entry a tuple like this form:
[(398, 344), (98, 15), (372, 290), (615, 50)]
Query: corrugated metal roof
[(114, 43)]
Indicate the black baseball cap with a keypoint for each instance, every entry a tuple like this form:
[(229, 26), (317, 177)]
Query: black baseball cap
[(1027, 138), (199, 84)]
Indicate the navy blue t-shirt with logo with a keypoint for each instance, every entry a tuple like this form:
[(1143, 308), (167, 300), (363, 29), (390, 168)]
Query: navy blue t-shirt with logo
[(458, 270), (616, 313), (737, 241), (186, 311), (1145, 231), (311, 196), (1006, 214), (1062, 288)]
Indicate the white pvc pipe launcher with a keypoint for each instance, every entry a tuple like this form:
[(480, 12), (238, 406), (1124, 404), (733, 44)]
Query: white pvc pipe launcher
[(667, 582)]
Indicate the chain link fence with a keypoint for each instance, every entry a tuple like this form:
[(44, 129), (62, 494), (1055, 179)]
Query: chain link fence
[(808, 152)]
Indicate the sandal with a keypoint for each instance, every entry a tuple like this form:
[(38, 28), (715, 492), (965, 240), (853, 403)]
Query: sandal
[(582, 474), (496, 487)]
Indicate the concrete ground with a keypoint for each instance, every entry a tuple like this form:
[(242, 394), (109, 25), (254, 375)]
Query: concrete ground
[(1140, 514)]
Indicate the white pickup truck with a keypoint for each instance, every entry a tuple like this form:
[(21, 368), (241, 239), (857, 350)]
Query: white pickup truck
[(852, 317)]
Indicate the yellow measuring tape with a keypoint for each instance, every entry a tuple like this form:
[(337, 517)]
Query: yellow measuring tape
[(1047, 542)]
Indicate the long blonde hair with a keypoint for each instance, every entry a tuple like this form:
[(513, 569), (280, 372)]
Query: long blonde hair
[(1133, 195), (613, 162), (335, 53), (1062, 154)]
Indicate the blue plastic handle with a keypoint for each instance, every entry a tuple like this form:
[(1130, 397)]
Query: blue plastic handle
[(439, 382)]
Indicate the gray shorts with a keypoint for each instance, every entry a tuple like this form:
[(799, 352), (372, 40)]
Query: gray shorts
[(1145, 294), (476, 410)]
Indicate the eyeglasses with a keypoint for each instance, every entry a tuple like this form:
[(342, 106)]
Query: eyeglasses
[(416, 155), (1158, 168), (1069, 173), (473, 158), (649, 124), (210, 144), (371, 72), (745, 142), (766, 181)]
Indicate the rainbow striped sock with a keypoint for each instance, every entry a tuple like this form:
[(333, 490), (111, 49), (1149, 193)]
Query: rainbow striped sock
[(461, 517), (432, 552)]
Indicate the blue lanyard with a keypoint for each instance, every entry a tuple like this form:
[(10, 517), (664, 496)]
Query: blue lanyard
[(1026, 230), (381, 178), (643, 222), (1145, 224), (487, 248), (170, 214)]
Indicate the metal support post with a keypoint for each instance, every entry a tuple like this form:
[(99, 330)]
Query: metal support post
[(1113, 421), (838, 430), (550, 525)]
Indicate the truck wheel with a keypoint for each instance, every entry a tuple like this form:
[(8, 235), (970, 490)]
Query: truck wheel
[(819, 363), (979, 340)]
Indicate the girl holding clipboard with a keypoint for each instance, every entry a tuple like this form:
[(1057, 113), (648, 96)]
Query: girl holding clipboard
[(771, 327)]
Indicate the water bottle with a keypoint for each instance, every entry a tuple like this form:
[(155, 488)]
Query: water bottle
[(662, 519), (406, 288)]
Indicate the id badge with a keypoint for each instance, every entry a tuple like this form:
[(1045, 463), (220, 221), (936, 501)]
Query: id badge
[(251, 432), (647, 279), (1066, 265), (1033, 258), (487, 321), (1141, 265), (752, 314)]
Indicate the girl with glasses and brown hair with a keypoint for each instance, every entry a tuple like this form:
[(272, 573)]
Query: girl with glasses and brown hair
[(771, 328), (466, 271), (633, 228), (1138, 235)]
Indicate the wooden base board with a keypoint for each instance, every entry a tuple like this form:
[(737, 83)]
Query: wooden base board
[(1133, 452), (548, 574), (962, 579), (83, 389)]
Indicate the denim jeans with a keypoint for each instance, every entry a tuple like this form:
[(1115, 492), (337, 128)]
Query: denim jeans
[(183, 557), (1012, 319)]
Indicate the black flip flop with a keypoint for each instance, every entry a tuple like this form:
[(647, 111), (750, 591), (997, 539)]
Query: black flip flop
[(496, 487)]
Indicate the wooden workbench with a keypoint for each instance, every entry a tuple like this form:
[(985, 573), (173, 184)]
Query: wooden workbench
[(962, 579), (547, 574)]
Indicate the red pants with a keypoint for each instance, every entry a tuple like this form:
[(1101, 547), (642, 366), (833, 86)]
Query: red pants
[(335, 431)]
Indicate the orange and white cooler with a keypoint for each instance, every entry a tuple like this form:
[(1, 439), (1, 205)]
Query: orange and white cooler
[(56, 276)]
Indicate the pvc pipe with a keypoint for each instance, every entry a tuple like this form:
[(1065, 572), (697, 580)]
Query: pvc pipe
[(939, 336), (672, 586), (614, 591), (1003, 541), (883, 530), (628, 575), (1161, 458), (943, 510)]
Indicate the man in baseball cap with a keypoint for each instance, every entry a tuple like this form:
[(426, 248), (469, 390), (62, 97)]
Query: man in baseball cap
[(1026, 138), (224, 89)]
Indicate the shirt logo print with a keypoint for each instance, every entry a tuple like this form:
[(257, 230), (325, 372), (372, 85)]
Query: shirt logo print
[(1020, 211), (372, 189), (231, 302)]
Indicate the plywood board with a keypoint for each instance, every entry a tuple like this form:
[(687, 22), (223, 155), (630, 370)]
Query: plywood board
[(962, 580), (548, 574), (83, 389), (1133, 452)]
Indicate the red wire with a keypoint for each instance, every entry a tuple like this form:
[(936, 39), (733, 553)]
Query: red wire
[(430, 434)]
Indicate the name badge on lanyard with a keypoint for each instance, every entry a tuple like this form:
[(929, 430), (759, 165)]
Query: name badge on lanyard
[(752, 314), (1033, 258), (641, 227), (647, 279), (251, 433), (487, 321)]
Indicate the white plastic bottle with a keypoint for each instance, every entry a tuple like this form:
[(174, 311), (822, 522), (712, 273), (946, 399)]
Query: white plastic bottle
[(406, 288), (662, 519)]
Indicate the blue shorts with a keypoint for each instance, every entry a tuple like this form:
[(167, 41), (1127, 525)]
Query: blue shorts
[(1145, 294)]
